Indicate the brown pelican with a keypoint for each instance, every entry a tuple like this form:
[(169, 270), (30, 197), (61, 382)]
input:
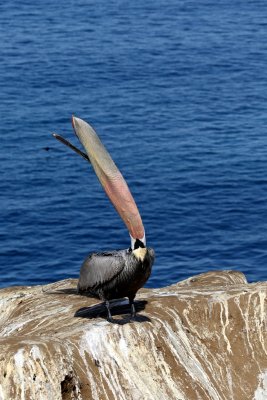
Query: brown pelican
[(114, 274)]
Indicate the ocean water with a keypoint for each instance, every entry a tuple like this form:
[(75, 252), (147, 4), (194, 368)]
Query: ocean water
[(177, 91)]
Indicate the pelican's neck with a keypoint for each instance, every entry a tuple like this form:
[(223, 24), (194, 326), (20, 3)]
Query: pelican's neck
[(133, 240)]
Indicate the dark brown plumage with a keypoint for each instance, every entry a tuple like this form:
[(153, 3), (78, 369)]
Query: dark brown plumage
[(116, 274)]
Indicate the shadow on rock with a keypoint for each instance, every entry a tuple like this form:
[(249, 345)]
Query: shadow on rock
[(121, 308)]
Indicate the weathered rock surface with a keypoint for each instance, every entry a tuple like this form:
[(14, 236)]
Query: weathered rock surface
[(203, 338)]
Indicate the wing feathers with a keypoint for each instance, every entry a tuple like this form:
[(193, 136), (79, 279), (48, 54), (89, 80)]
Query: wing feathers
[(100, 268)]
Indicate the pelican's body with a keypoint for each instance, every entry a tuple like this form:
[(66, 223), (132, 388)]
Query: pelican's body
[(115, 274)]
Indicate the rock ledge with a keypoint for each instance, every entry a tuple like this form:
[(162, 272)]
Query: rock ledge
[(203, 338)]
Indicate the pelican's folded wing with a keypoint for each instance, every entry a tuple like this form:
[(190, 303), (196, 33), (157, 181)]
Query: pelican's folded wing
[(100, 268)]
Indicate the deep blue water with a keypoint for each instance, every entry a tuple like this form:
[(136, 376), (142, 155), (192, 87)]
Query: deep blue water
[(177, 91)]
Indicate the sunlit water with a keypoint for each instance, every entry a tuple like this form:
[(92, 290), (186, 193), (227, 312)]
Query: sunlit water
[(177, 91)]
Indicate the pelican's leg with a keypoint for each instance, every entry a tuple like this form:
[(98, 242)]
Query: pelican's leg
[(109, 318), (133, 311)]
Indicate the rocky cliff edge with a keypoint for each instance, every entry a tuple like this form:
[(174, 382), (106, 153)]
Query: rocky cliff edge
[(203, 338)]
